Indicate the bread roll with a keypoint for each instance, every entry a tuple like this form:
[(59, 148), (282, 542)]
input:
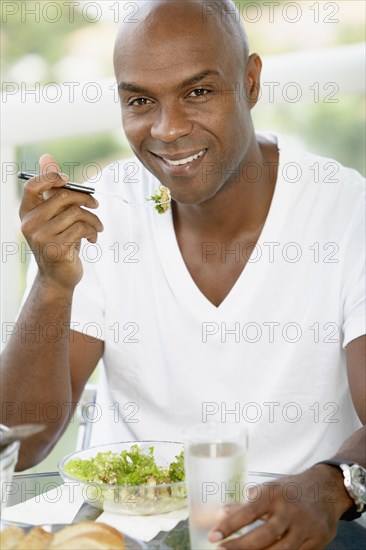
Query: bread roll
[(89, 536), (10, 537), (82, 536), (36, 539)]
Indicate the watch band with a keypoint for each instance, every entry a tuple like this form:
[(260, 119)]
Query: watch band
[(352, 513)]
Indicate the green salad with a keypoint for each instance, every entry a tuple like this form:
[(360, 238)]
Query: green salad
[(129, 467), (162, 198), (130, 481)]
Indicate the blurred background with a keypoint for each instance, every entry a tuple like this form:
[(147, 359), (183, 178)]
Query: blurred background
[(59, 96)]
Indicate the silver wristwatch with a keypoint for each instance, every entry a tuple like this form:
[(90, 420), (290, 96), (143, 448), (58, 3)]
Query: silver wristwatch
[(355, 484)]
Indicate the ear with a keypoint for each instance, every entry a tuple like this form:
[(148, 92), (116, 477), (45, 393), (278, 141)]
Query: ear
[(253, 79)]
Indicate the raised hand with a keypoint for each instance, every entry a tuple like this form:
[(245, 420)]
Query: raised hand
[(54, 220)]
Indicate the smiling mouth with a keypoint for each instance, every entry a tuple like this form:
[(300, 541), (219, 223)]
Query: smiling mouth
[(183, 161)]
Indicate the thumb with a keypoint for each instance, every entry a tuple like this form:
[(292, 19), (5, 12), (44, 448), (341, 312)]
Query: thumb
[(48, 164)]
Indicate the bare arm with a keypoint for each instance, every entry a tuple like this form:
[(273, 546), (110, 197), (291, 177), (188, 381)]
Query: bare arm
[(305, 522), (45, 366), (42, 380)]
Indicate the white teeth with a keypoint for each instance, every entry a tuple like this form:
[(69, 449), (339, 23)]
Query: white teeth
[(184, 161)]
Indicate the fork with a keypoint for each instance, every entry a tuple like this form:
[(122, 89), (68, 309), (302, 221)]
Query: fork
[(91, 191), (134, 204)]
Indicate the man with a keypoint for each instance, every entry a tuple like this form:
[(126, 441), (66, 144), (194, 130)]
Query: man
[(167, 324)]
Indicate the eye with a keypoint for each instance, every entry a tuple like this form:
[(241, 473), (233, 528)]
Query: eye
[(140, 101), (199, 92)]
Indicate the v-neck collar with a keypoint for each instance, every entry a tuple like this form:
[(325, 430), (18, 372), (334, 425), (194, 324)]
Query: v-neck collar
[(177, 274)]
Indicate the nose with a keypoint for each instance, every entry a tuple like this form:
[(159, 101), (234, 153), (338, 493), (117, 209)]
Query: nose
[(171, 123)]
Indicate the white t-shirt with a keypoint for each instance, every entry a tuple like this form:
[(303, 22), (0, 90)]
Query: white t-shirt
[(270, 356)]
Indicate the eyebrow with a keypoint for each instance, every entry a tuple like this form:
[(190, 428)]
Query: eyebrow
[(197, 78), (136, 89), (132, 87)]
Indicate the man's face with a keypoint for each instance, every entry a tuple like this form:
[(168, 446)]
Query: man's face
[(184, 107)]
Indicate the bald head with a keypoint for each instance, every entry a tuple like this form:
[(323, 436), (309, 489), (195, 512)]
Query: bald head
[(221, 16), (229, 16)]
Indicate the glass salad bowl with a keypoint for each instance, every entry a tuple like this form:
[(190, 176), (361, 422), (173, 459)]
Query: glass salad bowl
[(132, 477)]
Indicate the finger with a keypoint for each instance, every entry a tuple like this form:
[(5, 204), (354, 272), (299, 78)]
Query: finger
[(77, 231), (73, 230), (234, 520), (51, 207), (311, 544), (63, 199), (295, 540), (49, 168), (288, 541), (63, 246), (71, 236), (71, 215), (264, 536), (238, 517), (35, 187)]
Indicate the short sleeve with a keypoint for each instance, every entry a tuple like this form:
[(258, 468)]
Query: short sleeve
[(354, 289), (88, 310)]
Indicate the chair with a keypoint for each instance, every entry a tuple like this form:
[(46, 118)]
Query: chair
[(84, 415)]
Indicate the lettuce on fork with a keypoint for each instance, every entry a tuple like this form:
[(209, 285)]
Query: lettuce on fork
[(162, 195)]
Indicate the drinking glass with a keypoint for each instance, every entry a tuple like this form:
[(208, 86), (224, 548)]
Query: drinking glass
[(215, 466)]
